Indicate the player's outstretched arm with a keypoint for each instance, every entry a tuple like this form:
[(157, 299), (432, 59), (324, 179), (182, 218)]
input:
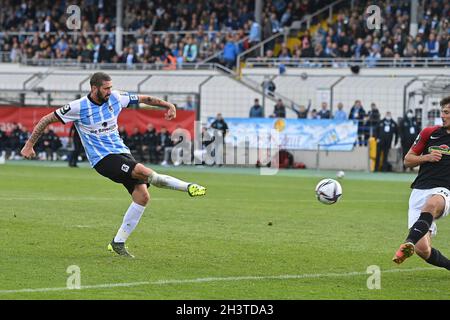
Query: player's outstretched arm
[(153, 101), (27, 151), (413, 160)]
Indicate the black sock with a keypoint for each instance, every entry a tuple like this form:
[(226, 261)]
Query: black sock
[(438, 259), (420, 228)]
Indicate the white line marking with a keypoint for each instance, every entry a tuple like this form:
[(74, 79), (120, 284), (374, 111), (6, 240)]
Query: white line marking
[(217, 279), (312, 200)]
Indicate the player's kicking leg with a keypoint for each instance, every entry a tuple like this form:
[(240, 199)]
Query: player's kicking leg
[(164, 181), (419, 232)]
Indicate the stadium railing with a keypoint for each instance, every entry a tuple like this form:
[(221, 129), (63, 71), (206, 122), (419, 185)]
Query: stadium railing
[(117, 66), (347, 62)]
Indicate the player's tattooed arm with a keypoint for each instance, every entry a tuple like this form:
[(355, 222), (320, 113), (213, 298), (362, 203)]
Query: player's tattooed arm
[(153, 101), (38, 130), (40, 127)]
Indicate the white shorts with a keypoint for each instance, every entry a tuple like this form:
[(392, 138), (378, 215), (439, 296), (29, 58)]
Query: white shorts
[(417, 201)]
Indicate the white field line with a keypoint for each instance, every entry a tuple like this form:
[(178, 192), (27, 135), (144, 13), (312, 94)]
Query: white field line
[(217, 279), (170, 199)]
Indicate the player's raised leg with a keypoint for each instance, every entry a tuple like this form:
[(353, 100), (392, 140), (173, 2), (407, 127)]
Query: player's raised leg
[(141, 172), (432, 209), (131, 219)]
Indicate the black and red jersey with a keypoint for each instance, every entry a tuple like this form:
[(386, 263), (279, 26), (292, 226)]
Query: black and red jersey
[(433, 174)]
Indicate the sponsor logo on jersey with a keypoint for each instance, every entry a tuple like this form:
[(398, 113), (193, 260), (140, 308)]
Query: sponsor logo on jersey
[(443, 148), (65, 109), (105, 129)]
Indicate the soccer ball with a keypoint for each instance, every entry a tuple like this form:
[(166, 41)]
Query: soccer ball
[(328, 191), (340, 174)]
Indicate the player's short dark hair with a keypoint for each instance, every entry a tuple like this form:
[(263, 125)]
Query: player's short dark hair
[(98, 78), (445, 101)]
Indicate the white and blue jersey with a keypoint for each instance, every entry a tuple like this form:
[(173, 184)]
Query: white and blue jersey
[(97, 124)]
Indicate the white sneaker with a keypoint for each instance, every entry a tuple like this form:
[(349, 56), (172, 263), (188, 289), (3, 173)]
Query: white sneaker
[(164, 163)]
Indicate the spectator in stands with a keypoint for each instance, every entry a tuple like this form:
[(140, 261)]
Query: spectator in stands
[(409, 129), (359, 50), (99, 53), (284, 54), (358, 113), (170, 61), (266, 33), (432, 46), (221, 128), (279, 110), (255, 33), (307, 50), (302, 112), (189, 105), (314, 115), (374, 55), (340, 114), (324, 113), (230, 53), (150, 143), (136, 145), (14, 140), (385, 133), (157, 48), (373, 117), (50, 143), (190, 50), (130, 58), (75, 141), (269, 86), (124, 135), (220, 124), (164, 141), (256, 111), (3, 140)]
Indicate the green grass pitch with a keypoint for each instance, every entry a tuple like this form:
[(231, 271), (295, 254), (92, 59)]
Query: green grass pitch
[(251, 237)]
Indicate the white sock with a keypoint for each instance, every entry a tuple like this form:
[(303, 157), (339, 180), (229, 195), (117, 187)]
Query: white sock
[(168, 182), (130, 221)]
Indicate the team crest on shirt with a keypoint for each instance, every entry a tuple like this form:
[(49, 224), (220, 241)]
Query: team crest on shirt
[(110, 108)]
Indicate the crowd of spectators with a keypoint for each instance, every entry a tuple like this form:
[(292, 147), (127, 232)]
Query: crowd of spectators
[(12, 141), (149, 146), (164, 32), (349, 36)]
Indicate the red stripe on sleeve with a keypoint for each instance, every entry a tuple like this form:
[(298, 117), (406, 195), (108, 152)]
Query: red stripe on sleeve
[(422, 139)]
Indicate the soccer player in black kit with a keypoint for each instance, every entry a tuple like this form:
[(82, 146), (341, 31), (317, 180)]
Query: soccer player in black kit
[(430, 197)]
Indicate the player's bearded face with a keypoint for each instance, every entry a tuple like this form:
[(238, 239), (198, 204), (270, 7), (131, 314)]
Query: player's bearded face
[(104, 92)]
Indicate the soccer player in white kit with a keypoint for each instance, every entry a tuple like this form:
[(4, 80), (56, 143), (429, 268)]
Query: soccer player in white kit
[(430, 197), (95, 118)]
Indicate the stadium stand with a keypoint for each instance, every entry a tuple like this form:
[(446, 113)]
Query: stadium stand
[(311, 50)]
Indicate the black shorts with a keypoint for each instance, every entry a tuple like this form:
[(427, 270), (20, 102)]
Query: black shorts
[(118, 168)]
